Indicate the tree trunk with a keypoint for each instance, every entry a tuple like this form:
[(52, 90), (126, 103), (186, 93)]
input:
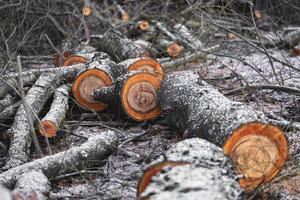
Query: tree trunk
[(96, 148), (21, 137), (57, 113), (191, 169), (32, 185), (136, 92), (190, 104)]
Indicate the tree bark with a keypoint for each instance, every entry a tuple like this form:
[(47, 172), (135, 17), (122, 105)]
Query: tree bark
[(21, 138), (57, 113), (32, 185), (7, 101), (9, 112), (202, 170), (193, 106), (96, 148)]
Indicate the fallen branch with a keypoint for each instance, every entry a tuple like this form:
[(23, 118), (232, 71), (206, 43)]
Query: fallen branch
[(7, 101), (74, 159), (191, 169), (21, 137), (57, 113), (184, 33), (9, 112), (258, 148)]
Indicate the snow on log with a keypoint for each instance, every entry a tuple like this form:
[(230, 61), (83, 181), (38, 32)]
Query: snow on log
[(88, 154), (121, 48), (5, 194), (101, 72), (7, 101), (9, 81), (258, 148), (191, 169), (136, 92), (57, 113), (32, 185), (185, 35), (21, 138)]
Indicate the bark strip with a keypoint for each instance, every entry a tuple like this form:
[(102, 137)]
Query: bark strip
[(207, 173), (21, 138), (57, 113), (96, 148)]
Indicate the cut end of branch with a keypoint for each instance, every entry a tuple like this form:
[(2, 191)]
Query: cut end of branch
[(139, 96), (48, 128), (148, 65), (72, 60), (125, 17), (175, 49), (259, 152), (144, 25), (86, 11), (152, 171), (85, 85)]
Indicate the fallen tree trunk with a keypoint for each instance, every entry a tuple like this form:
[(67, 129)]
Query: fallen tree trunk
[(258, 148), (21, 137), (9, 82), (32, 185), (136, 92), (96, 148), (191, 169), (57, 113), (121, 48)]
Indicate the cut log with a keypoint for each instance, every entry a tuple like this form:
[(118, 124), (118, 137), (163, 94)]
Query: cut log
[(258, 148), (191, 169), (121, 48), (75, 59), (32, 185), (57, 113), (145, 65), (96, 148), (185, 35), (173, 49), (21, 137), (101, 72), (143, 25), (7, 101), (8, 82), (136, 92)]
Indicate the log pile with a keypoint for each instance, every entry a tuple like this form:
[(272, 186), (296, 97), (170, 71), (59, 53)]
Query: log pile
[(228, 148)]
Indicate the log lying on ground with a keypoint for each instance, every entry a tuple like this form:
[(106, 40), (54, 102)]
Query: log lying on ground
[(136, 92), (101, 72), (258, 149), (57, 113), (8, 82), (121, 48), (184, 33), (21, 137), (32, 185), (191, 169), (96, 148)]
